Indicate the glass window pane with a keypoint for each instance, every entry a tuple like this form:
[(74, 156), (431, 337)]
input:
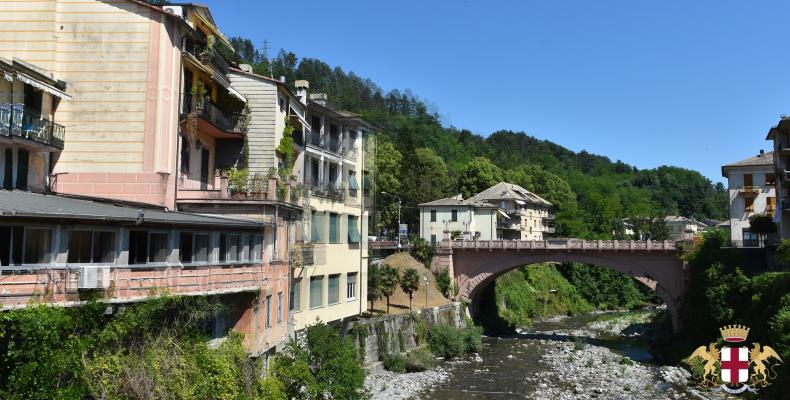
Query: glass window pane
[(80, 247), (223, 247), (158, 247), (268, 311), (233, 247), (243, 243), (37, 249), (185, 248), (334, 289), (334, 228), (138, 247), (5, 245), (280, 307), (294, 301), (104, 247), (316, 291), (256, 254), (17, 240), (201, 248), (351, 285), (317, 225)]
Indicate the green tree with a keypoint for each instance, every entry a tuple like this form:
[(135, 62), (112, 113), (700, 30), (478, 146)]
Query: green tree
[(327, 366), (388, 167), (422, 251), (410, 282), (374, 284), (477, 175), (390, 277), (429, 181), (443, 282)]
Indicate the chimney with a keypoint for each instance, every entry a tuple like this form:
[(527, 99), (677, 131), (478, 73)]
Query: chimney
[(319, 98), (282, 79), (246, 68), (762, 152), (301, 90)]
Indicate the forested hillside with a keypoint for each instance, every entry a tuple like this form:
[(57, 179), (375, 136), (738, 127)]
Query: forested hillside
[(421, 160)]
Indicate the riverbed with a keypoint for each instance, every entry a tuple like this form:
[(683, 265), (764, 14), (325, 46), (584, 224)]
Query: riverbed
[(590, 356)]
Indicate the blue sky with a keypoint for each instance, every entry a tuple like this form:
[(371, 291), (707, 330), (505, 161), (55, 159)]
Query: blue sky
[(695, 84)]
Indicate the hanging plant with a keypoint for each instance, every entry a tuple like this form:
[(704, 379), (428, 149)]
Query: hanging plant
[(286, 149)]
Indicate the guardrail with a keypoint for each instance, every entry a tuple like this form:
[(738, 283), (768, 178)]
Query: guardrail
[(20, 121), (563, 244), (227, 121)]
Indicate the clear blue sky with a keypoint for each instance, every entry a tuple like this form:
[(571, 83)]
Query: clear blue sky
[(689, 83)]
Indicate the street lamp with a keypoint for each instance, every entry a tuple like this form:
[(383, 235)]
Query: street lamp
[(425, 277), (399, 207)]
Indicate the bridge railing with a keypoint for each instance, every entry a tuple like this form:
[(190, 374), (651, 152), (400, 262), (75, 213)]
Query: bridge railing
[(562, 244)]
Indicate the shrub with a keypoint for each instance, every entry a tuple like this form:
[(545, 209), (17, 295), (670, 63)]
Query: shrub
[(395, 363), (450, 342), (443, 282), (324, 366), (419, 360)]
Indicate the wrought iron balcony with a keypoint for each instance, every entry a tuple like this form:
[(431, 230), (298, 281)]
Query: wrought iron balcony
[(231, 122), (325, 142), (20, 121)]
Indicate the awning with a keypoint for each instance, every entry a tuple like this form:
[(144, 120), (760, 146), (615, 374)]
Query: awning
[(353, 232), (43, 86), (224, 82), (502, 213), (352, 182), (520, 202)]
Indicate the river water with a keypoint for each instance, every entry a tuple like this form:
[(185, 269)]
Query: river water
[(578, 357)]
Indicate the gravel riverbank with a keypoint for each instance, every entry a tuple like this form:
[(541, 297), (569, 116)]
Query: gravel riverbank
[(390, 385)]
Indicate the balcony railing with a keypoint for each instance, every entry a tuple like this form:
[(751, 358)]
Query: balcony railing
[(750, 190), (207, 56), (325, 142), (549, 216), (324, 190), (349, 152), (314, 138), (208, 111), (20, 121), (334, 145)]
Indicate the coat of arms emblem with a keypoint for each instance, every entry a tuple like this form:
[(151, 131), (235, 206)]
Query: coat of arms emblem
[(728, 368)]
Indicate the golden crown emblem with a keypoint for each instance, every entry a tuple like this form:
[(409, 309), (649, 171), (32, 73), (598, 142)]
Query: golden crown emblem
[(734, 333)]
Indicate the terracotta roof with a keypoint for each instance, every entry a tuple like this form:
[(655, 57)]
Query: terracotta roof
[(510, 191)]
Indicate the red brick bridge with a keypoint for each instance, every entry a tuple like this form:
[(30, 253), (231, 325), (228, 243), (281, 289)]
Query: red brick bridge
[(475, 264)]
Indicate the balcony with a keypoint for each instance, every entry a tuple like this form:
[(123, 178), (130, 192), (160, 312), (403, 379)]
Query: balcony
[(750, 191), (209, 56), (16, 120), (221, 188), (229, 122), (331, 192), (549, 217), (350, 152), (325, 142), (508, 224), (549, 229)]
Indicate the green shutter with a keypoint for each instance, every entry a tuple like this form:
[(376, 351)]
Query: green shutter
[(353, 232), (317, 228), (352, 182)]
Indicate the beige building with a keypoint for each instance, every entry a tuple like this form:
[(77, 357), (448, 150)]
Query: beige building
[(780, 136), (751, 184), (503, 211), (683, 228)]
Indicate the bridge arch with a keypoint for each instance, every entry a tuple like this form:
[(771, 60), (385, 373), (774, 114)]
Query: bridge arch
[(475, 265)]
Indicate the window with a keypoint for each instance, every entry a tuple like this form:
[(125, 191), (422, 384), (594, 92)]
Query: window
[(147, 247), (295, 295), (316, 291), (201, 248), (748, 180), (37, 246), (334, 228), (269, 230), (749, 204), (353, 230), (433, 240), (269, 311), (317, 227), (86, 247), (20, 245), (334, 289), (8, 176), (185, 248), (233, 247), (21, 169), (244, 241), (279, 307), (351, 286), (353, 185), (184, 154), (433, 215), (454, 215)]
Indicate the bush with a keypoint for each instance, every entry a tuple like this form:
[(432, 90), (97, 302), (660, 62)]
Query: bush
[(395, 363), (450, 342), (324, 366), (444, 282), (419, 360)]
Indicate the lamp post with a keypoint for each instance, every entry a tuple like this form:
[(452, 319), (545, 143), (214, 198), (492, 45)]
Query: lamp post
[(399, 207), (425, 277)]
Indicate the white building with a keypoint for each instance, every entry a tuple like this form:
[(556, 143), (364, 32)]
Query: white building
[(683, 228), (503, 211), (751, 184)]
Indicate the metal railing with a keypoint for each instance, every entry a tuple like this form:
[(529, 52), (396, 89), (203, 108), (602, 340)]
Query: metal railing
[(350, 152), (254, 188), (314, 138), (549, 216), (334, 145), (564, 244), (18, 120), (206, 110)]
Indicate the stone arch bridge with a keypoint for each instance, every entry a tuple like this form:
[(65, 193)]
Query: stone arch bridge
[(475, 264)]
